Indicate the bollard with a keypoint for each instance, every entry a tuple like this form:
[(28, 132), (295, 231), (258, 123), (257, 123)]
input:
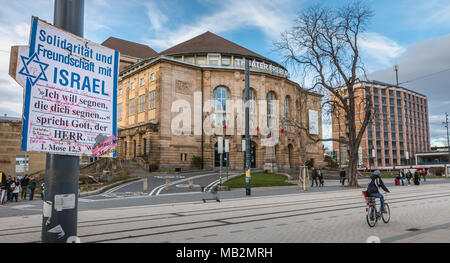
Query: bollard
[(167, 184), (144, 186)]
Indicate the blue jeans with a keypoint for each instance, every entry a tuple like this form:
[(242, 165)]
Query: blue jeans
[(379, 195), (425, 178), (409, 180), (31, 194), (312, 182), (343, 180)]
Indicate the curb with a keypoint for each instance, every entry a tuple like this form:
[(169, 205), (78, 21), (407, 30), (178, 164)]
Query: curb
[(107, 187)]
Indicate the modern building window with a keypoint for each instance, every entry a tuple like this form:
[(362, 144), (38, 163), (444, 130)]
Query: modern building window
[(132, 106), (220, 97), (142, 103), (119, 111), (152, 100)]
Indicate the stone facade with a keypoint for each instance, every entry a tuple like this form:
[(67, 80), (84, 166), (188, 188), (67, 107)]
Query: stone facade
[(10, 141), (145, 129)]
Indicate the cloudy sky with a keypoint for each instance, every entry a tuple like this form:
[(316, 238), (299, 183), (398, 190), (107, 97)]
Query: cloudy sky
[(414, 34)]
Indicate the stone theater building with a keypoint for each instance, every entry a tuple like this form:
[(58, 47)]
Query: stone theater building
[(206, 72)]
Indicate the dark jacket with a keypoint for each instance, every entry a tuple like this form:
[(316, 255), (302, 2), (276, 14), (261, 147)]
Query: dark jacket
[(374, 184), (24, 182), (314, 174), (408, 175), (342, 173), (32, 185)]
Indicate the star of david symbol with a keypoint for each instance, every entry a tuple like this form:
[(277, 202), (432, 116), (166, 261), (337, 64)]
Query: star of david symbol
[(33, 69)]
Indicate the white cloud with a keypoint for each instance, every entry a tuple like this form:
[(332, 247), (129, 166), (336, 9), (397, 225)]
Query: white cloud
[(379, 48), (156, 16), (268, 16)]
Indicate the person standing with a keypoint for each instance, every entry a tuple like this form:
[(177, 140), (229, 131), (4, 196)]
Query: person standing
[(314, 177), (32, 187), (401, 176), (320, 175), (424, 175), (15, 189), (24, 185), (408, 177), (2, 187), (8, 188), (342, 176), (42, 190), (416, 178)]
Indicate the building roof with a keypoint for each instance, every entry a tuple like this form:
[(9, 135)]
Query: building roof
[(129, 48), (209, 42), (9, 119), (387, 85)]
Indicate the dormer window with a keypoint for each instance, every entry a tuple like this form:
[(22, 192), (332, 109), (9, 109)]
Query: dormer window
[(213, 59)]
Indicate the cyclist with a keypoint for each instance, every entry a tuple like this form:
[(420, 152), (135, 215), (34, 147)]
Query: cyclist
[(372, 188)]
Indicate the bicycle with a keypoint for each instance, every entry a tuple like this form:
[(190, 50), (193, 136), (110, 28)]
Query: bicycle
[(373, 214)]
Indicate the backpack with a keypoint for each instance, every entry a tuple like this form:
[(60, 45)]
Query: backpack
[(372, 188)]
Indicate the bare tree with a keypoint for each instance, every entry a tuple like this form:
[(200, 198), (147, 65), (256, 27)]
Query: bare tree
[(323, 46)]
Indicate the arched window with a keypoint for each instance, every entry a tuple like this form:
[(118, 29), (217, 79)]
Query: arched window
[(287, 109), (220, 97), (253, 117), (270, 108)]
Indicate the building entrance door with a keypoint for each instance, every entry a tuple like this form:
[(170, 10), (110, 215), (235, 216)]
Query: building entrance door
[(290, 153)]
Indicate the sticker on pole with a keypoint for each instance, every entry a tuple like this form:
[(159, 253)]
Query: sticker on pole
[(70, 103)]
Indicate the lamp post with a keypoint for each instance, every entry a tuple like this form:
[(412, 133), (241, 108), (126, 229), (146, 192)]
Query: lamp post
[(448, 138), (247, 130), (396, 74)]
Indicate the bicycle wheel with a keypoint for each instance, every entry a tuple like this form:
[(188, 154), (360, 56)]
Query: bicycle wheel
[(371, 216), (386, 216)]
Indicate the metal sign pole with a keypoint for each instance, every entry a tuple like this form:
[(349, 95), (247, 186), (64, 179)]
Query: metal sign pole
[(220, 150), (61, 176), (227, 155), (247, 130)]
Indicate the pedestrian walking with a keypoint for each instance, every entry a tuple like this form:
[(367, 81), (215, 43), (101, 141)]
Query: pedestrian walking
[(342, 176), (15, 189), (32, 187), (416, 178), (2, 187), (424, 175), (24, 185), (314, 177), (320, 175)]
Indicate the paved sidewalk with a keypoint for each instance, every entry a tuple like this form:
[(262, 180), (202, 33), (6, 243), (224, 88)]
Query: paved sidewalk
[(419, 214)]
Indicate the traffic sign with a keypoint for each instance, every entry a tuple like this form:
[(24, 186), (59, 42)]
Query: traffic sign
[(70, 103), (21, 163)]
